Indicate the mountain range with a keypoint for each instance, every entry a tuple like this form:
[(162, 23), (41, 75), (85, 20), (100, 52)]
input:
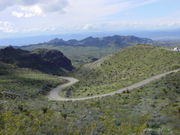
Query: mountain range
[(89, 49), (116, 40), (152, 34)]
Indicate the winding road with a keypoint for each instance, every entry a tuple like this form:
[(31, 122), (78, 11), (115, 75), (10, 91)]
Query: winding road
[(54, 94)]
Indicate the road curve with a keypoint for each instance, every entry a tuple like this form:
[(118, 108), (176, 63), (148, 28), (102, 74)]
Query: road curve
[(54, 94)]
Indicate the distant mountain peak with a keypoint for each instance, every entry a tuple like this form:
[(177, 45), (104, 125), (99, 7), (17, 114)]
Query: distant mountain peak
[(90, 37), (56, 41), (115, 40)]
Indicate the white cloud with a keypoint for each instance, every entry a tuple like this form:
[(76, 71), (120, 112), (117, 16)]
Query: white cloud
[(96, 14), (6, 27), (39, 29), (91, 11), (80, 15), (157, 23), (34, 6), (28, 12), (142, 2), (18, 14), (87, 26)]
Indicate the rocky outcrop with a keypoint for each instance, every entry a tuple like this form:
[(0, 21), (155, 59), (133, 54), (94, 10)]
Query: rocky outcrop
[(48, 61)]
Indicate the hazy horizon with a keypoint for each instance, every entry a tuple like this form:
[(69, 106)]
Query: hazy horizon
[(21, 18)]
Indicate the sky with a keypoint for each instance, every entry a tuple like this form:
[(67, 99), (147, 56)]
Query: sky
[(38, 17)]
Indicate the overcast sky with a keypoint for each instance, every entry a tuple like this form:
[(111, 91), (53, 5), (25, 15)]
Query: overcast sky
[(36, 17)]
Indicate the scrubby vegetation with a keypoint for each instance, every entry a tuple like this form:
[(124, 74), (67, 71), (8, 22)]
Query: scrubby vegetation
[(128, 66), (151, 110), (25, 83)]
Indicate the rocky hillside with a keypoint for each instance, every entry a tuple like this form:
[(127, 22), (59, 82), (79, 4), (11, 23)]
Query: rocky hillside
[(48, 61)]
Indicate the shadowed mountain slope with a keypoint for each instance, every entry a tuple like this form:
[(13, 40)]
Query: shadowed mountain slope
[(48, 61)]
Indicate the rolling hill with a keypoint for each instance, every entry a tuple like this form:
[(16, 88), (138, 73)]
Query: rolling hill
[(126, 67)]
